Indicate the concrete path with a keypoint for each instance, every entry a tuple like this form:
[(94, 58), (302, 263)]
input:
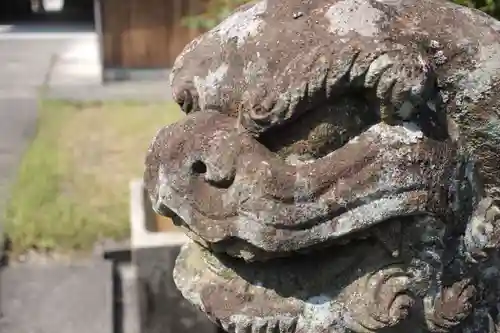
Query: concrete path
[(51, 298), (76, 74)]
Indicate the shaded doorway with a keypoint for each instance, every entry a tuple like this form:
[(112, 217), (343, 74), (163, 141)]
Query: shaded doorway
[(35, 11)]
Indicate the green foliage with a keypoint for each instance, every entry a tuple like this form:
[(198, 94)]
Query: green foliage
[(217, 10), (491, 7)]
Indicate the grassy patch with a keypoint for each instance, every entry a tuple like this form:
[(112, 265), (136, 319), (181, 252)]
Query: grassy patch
[(72, 188)]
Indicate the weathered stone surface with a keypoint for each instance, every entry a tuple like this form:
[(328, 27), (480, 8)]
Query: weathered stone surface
[(57, 297), (252, 204), (338, 168)]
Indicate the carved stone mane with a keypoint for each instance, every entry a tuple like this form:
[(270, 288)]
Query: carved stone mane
[(338, 168)]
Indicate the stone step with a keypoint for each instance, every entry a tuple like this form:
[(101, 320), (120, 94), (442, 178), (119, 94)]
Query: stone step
[(55, 297)]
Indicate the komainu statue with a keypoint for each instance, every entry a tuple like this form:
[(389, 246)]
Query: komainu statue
[(338, 168)]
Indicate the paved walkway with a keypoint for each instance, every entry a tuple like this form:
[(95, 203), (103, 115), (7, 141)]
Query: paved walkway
[(57, 298), (76, 75)]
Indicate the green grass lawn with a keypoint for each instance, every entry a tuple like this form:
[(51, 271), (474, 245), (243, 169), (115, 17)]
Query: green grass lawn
[(72, 187)]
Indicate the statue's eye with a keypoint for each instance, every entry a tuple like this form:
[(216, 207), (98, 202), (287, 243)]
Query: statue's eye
[(322, 129), (187, 100)]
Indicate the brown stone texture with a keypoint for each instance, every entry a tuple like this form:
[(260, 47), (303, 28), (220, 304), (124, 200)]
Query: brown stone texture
[(338, 168)]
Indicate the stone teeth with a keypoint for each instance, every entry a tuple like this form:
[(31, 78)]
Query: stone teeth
[(241, 325), (287, 325), (243, 329), (261, 325)]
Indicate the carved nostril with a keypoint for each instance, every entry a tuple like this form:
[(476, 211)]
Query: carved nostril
[(219, 181), (199, 168)]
